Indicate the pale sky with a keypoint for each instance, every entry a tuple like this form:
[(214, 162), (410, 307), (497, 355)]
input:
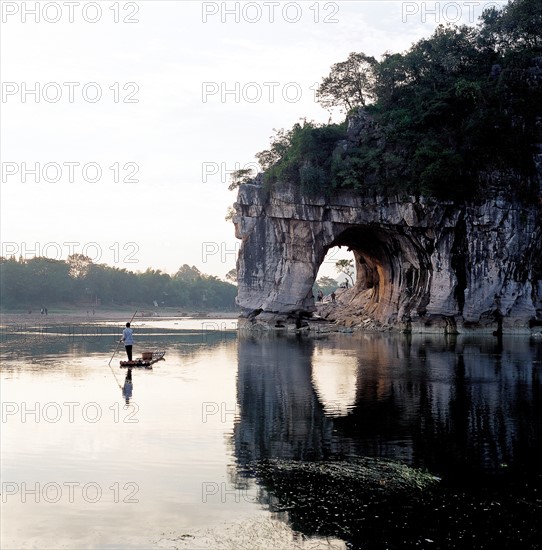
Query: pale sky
[(137, 111)]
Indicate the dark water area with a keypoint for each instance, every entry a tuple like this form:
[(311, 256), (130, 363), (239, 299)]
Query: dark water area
[(274, 441), (460, 409), (467, 410)]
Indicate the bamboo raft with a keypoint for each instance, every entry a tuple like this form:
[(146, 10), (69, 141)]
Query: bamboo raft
[(147, 360)]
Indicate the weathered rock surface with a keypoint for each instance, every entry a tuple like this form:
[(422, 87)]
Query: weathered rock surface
[(421, 264)]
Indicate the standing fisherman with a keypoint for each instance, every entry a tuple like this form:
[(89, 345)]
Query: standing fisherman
[(128, 339)]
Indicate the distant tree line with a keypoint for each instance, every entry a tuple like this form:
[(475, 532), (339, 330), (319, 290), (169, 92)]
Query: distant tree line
[(38, 282), (326, 285), (456, 114)]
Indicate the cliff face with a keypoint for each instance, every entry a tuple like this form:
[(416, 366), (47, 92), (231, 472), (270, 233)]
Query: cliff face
[(421, 264)]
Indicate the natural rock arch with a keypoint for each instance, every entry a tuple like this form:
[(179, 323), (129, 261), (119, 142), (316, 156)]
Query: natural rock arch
[(393, 272), (421, 264)]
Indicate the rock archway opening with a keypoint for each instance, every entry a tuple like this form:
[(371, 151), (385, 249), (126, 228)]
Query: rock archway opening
[(336, 272), (392, 274), (421, 264)]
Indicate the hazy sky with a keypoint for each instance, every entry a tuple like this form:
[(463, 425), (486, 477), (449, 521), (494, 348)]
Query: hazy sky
[(136, 112)]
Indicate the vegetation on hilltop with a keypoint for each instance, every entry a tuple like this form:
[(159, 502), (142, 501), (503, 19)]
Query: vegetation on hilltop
[(456, 114)]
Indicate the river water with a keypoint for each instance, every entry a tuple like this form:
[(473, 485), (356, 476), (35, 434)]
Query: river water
[(171, 459)]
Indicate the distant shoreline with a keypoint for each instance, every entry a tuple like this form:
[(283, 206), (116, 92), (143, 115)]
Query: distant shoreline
[(82, 314)]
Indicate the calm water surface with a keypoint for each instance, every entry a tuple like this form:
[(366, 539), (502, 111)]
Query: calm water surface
[(176, 466)]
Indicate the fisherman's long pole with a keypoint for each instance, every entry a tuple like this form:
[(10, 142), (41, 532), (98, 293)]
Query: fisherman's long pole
[(118, 343)]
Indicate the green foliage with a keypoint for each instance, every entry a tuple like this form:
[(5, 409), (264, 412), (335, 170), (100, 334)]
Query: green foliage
[(349, 84), (346, 267), (455, 116), (240, 177), (230, 213), (326, 284), (231, 276), (515, 27), (41, 282), (79, 265), (302, 155)]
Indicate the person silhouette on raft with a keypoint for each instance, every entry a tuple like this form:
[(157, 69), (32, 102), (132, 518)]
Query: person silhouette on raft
[(128, 339)]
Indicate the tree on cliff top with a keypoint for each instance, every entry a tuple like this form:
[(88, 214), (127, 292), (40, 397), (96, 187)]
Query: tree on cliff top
[(454, 116), (349, 84), (516, 26), (302, 155), (240, 177)]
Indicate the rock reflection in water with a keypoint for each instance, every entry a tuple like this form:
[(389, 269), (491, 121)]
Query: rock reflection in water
[(281, 415), (464, 409)]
